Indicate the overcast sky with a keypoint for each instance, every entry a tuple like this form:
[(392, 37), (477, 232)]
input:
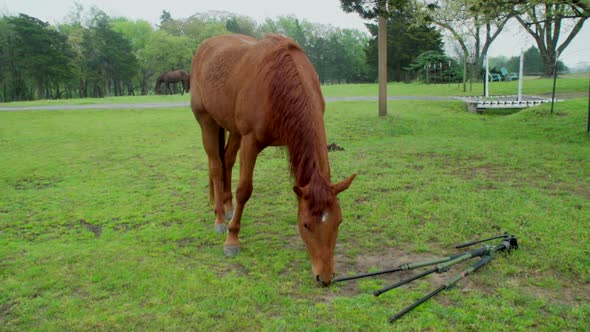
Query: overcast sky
[(509, 43)]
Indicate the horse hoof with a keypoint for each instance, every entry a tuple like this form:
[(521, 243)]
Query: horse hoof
[(231, 251), (229, 215), (220, 228)]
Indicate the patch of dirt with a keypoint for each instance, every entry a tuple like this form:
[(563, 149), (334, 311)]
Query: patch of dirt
[(233, 268), (6, 309), (96, 229), (572, 292), (185, 242), (490, 172), (361, 200), (126, 226), (335, 147), (294, 242), (389, 259), (383, 190), (485, 282), (35, 183)]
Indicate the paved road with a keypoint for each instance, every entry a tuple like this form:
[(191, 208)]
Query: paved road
[(186, 104)]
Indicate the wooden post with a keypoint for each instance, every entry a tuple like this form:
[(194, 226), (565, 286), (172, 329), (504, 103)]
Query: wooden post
[(382, 63)]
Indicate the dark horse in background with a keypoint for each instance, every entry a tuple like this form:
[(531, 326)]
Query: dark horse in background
[(174, 76), (266, 93)]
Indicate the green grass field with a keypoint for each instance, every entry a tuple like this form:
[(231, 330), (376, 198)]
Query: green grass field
[(105, 223)]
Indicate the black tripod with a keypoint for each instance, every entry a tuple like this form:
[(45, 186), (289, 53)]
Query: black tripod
[(486, 252)]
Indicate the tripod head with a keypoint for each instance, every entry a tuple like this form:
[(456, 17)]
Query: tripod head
[(508, 241)]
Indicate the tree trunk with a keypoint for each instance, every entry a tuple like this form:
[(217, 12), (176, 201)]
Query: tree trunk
[(549, 65), (465, 56), (107, 82)]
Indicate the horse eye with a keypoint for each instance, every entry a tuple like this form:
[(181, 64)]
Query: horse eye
[(306, 225)]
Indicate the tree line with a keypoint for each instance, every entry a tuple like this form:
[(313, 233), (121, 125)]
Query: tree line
[(94, 55)]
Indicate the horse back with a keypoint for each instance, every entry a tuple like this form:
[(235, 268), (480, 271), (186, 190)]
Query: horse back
[(245, 84), (212, 83)]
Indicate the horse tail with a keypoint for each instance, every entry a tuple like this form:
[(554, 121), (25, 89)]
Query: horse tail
[(221, 139)]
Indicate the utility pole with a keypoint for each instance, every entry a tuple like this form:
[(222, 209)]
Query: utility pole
[(486, 80), (520, 72), (554, 80), (382, 62)]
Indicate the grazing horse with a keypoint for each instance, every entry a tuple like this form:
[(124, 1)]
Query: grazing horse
[(174, 76), (266, 93)]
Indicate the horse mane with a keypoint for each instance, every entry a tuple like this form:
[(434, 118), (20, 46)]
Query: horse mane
[(293, 120)]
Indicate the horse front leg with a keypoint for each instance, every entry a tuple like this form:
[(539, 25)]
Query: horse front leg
[(248, 153)]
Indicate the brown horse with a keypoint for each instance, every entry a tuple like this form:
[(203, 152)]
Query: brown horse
[(266, 93), (174, 76)]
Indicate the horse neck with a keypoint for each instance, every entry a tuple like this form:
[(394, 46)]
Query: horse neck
[(297, 112), (309, 163), (308, 154)]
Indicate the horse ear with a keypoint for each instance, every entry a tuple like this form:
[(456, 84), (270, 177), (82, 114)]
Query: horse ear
[(341, 186), (301, 192), (298, 191)]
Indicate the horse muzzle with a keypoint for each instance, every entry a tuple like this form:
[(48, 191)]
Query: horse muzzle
[(324, 282)]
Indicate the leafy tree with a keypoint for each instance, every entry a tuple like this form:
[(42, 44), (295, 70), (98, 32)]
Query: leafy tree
[(139, 33), (410, 41), (107, 56), (8, 71), (337, 54), (380, 9), (474, 24), (533, 63), (165, 17), (371, 9), (298, 30), (166, 52), (546, 21), (36, 53), (197, 28), (241, 24), (434, 66)]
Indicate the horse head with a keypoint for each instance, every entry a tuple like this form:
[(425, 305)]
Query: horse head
[(158, 85), (319, 229)]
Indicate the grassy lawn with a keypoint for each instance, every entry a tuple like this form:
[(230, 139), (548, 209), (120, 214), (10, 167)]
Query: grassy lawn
[(105, 223), (566, 87)]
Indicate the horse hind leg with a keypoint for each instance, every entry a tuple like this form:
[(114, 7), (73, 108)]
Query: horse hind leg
[(210, 135), (231, 151)]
